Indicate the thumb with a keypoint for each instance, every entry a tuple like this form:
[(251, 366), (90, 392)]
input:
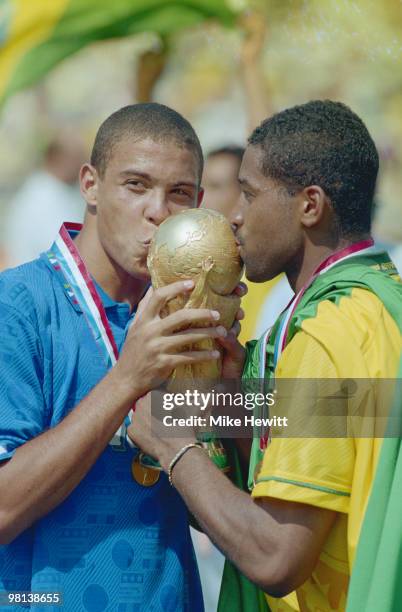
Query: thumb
[(231, 344)]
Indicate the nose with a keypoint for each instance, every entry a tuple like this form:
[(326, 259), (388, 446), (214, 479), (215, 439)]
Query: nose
[(236, 216), (157, 209)]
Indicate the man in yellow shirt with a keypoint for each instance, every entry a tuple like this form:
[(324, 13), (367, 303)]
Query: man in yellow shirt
[(307, 178), (355, 338)]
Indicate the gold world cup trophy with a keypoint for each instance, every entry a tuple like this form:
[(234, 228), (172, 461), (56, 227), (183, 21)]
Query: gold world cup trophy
[(199, 244)]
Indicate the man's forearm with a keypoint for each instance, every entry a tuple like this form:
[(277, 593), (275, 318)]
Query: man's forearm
[(44, 471), (274, 542), (242, 530)]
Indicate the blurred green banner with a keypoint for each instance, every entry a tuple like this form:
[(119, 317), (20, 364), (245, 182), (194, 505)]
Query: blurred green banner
[(37, 34)]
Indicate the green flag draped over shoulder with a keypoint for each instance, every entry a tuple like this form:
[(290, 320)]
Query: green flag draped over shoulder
[(376, 582), (37, 34)]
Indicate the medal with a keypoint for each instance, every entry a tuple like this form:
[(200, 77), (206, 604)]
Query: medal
[(66, 261), (142, 473)]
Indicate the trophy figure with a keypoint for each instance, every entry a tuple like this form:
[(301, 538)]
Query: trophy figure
[(199, 244)]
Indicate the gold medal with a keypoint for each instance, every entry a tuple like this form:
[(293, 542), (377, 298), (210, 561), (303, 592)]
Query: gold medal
[(145, 476)]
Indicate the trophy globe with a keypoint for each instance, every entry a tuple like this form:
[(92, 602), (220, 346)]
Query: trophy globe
[(198, 244)]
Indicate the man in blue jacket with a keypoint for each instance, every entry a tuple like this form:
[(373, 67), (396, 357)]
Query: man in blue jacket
[(81, 517)]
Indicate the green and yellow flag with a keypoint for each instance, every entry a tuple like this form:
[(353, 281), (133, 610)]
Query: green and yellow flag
[(376, 582), (37, 34)]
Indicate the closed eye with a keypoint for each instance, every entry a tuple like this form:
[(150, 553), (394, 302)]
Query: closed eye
[(247, 195), (135, 183)]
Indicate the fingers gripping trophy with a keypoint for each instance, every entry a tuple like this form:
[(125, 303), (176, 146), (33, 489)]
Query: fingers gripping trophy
[(199, 244)]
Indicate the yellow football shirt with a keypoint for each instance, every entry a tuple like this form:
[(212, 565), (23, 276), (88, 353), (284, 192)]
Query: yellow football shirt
[(355, 338)]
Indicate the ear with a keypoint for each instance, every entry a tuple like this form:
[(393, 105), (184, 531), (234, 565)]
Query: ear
[(89, 179), (314, 204), (200, 196)]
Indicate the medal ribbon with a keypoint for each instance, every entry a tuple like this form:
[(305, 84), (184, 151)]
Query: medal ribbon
[(280, 342), (78, 284)]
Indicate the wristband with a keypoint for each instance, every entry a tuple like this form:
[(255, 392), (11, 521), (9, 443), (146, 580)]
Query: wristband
[(179, 455)]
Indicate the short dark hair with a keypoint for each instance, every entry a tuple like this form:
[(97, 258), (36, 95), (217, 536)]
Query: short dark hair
[(323, 143), (234, 150), (148, 120)]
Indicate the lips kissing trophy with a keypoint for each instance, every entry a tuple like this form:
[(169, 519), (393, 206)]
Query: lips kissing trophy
[(199, 244)]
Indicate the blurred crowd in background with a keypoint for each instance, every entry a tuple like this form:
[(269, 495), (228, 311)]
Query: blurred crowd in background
[(225, 76)]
